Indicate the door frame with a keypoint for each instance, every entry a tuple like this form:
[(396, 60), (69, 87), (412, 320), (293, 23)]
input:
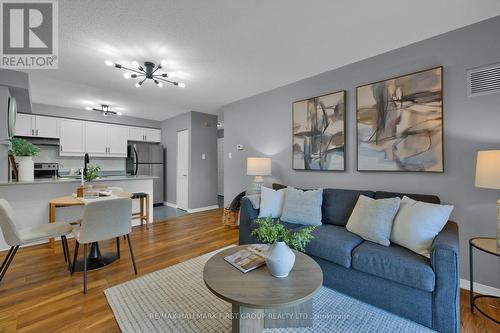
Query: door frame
[(177, 172)]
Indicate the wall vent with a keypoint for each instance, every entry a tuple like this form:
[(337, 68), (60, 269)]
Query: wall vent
[(483, 80)]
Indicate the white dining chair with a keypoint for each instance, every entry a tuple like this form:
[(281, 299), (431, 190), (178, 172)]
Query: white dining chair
[(15, 237), (103, 219)]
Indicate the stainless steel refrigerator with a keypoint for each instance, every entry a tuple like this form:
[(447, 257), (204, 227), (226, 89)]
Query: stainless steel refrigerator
[(148, 159)]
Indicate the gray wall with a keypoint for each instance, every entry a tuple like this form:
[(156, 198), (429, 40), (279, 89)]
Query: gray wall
[(169, 129), (58, 111), (203, 172), (263, 125), (202, 128)]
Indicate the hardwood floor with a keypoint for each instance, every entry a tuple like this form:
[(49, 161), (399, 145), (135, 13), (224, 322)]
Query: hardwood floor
[(39, 295)]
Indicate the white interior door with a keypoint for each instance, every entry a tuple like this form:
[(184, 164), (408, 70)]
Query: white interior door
[(182, 169), (220, 166)]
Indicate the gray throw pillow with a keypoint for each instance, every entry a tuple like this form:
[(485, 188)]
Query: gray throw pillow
[(372, 219), (302, 207)]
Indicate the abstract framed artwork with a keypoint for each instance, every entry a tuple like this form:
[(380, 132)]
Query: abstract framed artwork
[(400, 123), (318, 134)]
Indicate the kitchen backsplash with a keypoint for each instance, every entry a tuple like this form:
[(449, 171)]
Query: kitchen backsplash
[(51, 154)]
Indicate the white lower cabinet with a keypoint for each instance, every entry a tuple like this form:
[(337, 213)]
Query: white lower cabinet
[(72, 137)]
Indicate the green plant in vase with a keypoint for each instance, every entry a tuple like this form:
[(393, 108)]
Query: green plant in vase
[(280, 258), (92, 173), (24, 151)]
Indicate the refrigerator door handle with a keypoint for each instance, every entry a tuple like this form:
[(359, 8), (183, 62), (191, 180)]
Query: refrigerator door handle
[(136, 160)]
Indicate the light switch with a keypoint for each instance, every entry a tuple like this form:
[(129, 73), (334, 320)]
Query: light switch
[(203, 156), (229, 155), (239, 146)]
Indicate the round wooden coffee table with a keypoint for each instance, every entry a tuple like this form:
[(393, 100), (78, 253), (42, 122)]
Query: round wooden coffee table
[(260, 300)]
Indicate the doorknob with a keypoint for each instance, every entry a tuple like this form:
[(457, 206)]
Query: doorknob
[(185, 175)]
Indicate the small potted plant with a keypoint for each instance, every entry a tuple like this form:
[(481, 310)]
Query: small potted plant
[(280, 258), (24, 151), (92, 173)]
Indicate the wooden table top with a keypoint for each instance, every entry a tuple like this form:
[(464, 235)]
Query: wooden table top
[(258, 288), (70, 200)]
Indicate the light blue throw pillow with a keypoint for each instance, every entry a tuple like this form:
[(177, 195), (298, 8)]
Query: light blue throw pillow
[(302, 207)]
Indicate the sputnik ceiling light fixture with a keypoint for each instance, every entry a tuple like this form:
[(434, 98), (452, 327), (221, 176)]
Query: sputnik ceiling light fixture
[(147, 72), (104, 110)]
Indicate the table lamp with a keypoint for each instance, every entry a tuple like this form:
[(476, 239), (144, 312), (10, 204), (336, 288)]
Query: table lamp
[(488, 176), (258, 167)]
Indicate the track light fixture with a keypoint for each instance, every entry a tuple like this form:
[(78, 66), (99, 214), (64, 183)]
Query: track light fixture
[(146, 72), (104, 110)]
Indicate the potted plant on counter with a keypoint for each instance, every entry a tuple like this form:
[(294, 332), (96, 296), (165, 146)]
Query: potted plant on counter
[(280, 258), (24, 151)]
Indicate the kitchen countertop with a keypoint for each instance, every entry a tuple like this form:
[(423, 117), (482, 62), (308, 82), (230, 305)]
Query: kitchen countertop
[(75, 180)]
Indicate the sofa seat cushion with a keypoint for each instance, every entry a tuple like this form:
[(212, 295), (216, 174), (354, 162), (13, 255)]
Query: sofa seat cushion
[(338, 204), (394, 263), (333, 243)]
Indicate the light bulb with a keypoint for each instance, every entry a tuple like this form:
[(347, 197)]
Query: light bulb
[(173, 74), (109, 63), (182, 85), (160, 84), (138, 84), (127, 75), (164, 63), (105, 114), (119, 113), (135, 64), (88, 108)]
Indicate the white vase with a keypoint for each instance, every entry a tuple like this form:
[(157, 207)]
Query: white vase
[(280, 259), (26, 168)]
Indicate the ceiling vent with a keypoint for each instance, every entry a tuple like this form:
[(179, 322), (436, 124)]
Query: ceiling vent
[(483, 80)]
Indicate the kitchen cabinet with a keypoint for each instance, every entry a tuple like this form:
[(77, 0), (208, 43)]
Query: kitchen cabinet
[(105, 140), (144, 134), (72, 137), (116, 138), (37, 126)]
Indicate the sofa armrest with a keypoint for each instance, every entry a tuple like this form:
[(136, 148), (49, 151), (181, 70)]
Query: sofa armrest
[(445, 260), (247, 214)]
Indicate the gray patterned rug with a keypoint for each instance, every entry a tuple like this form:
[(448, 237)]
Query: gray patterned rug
[(175, 299)]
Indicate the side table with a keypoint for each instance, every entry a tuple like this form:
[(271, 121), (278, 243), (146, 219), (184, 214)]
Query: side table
[(487, 245)]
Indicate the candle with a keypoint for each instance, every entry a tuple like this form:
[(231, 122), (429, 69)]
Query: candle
[(81, 172)]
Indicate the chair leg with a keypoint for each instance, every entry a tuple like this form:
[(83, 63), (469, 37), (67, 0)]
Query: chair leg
[(75, 258), (85, 268), (8, 260), (131, 253), (118, 246), (66, 249)]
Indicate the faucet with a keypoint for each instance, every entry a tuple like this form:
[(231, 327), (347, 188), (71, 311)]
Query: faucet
[(86, 160)]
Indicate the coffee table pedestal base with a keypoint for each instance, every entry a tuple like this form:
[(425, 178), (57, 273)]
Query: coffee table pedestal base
[(250, 320)]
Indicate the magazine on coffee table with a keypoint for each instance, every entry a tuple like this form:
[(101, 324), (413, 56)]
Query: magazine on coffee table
[(254, 256)]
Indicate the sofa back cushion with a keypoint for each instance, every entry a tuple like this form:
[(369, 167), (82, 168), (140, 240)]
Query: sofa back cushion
[(418, 197), (338, 204)]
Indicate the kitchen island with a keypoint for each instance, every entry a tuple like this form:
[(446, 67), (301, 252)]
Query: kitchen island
[(30, 200)]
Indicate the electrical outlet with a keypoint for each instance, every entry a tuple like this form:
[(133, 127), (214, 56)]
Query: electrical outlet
[(229, 155), (203, 157), (239, 146)]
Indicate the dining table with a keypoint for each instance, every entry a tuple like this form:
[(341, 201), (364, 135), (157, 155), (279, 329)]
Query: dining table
[(96, 259)]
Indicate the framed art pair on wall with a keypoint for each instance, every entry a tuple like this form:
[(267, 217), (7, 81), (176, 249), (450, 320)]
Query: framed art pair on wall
[(399, 126)]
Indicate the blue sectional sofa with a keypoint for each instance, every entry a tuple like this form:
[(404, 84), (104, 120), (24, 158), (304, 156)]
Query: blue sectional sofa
[(393, 278)]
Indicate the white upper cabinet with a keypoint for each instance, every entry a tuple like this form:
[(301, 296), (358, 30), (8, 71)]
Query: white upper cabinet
[(37, 126), (95, 139), (116, 138), (144, 134), (152, 135), (47, 127), (24, 125), (72, 137)]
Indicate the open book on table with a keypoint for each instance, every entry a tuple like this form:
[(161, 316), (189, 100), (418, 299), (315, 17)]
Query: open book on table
[(250, 258)]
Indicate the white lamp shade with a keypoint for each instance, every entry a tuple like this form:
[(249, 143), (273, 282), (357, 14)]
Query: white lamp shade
[(488, 169), (258, 166)]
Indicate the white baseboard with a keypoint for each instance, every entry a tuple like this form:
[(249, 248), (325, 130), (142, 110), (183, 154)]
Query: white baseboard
[(169, 204), (480, 288), (202, 209)]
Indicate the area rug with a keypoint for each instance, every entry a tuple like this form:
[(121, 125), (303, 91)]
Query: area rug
[(175, 299)]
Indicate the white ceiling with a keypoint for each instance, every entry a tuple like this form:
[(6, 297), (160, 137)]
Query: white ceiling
[(229, 49)]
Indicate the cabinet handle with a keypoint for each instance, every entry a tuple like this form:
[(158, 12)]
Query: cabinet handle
[(60, 148), (36, 132), (32, 132)]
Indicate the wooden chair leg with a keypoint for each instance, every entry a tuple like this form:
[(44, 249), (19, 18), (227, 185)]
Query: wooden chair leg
[(66, 248), (118, 246), (85, 268), (7, 261), (131, 253), (75, 258)]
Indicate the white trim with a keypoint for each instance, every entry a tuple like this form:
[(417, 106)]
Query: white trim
[(480, 288), (202, 209), (169, 204)]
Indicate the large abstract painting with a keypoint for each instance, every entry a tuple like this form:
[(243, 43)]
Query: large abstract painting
[(400, 123), (319, 133)]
